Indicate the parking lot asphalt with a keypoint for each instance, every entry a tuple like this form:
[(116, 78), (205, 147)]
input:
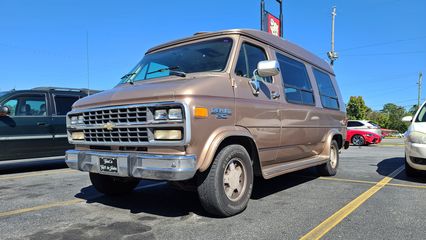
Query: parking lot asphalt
[(369, 198)]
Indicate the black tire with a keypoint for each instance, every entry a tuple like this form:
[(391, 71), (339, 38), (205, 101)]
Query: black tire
[(409, 171), (358, 140), (212, 183), (110, 185), (330, 167)]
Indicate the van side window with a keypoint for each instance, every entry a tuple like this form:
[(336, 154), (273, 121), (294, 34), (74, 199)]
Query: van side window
[(297, 86), (326, 90), (248, 58)]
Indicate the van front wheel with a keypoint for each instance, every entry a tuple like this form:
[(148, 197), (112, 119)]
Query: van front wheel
[(225, 189), (330, 167)]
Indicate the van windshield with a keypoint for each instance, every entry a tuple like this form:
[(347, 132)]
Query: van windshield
[(206, 56)]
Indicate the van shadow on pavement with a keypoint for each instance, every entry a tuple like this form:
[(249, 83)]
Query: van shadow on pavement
[(167, 201), (387, 166)]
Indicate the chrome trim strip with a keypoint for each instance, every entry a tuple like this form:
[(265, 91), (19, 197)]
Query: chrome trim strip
[(27, 137), (60, 136), (137, 165)]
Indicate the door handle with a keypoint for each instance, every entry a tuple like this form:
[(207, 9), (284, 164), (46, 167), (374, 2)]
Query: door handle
[(275, 95), (42, 124)]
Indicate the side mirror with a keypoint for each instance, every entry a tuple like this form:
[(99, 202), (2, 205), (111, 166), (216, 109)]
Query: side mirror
[(407, 119), (4, 111), (268, 68)]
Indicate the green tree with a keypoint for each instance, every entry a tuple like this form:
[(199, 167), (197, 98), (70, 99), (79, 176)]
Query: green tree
[(382, 119), (413, 110), (356, 108), (395, 114)]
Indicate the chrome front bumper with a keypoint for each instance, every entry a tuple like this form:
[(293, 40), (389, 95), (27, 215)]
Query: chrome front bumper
[(137, 165)]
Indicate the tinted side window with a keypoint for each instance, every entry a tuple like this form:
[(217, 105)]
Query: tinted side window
[(354, 124), (297, 86), (27, 105), (326, 90), (248, 58), (64, 103)]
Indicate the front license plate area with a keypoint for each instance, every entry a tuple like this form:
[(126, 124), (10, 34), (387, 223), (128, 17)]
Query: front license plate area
[(108, 165)]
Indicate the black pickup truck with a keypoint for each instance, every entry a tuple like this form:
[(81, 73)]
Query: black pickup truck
[(32, 122)]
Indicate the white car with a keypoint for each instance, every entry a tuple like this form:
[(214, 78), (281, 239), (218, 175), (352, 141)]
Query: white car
[(415, 142), (364, 125)]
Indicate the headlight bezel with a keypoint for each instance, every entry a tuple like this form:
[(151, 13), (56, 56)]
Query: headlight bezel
[(165, 114)]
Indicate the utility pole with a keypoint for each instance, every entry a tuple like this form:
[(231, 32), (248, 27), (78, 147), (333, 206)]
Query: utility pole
[(262, 14), (87, 61), (332, 55), (419, 83)]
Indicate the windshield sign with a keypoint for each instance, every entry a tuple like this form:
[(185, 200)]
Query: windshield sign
[(204, 56)]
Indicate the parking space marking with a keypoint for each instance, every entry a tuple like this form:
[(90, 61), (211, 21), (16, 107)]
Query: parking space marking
[(42, 173), (40, 207), (328, 224), (371, 182), (64, 203)]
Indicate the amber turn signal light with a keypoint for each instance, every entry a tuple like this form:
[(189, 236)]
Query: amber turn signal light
[(200, 112)]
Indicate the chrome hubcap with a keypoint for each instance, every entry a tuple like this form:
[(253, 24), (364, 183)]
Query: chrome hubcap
[(234, 180)]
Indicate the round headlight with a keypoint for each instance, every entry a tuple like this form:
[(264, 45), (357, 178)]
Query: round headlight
[(74, 120)]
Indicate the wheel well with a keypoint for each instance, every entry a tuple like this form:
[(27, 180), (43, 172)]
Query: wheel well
[(339, 140), (249, 145)]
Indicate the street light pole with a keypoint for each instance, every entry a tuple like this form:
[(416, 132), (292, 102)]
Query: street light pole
[(332, 55), (262, 13), (419, 94)]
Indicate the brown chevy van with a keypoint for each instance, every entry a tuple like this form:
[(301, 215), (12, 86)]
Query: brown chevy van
[(217, 109)]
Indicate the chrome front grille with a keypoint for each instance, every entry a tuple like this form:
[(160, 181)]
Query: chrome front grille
[(132, 115), (117, 135)]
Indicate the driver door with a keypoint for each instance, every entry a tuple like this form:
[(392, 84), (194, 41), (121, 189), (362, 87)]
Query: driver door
[(258, 113), (26, 132)]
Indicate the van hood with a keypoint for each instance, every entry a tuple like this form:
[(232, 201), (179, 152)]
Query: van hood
[(155, 90)]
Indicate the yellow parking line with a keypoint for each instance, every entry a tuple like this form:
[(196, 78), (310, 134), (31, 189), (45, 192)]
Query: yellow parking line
[(40, 207), (328, 224), (42, 173), (370, 182), (65, 203)]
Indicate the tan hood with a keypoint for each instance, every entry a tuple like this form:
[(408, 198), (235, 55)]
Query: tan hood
[(164, 89)]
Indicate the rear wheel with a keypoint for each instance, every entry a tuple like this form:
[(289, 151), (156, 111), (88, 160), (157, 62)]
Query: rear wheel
[(330, 167), (224, 190), (358, 140), (110, 185)]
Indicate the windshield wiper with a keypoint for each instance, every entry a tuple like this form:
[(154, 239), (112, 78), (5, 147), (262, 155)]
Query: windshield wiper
[(171, 71), (127, 76)]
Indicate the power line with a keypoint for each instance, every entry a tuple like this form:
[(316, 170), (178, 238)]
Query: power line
[(385, 54), (382, 43)]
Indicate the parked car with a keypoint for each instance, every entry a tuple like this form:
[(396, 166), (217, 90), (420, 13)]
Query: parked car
[(361, 138), (364, 125), (216, 109), (415, 142), (32, 122)]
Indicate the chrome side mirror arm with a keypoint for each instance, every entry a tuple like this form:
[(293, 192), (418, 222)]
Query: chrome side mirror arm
[(254, 83)]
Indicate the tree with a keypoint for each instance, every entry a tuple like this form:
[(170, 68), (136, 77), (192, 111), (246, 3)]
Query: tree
[(413, 110), (395, 114), (356, 108), (382, 119)]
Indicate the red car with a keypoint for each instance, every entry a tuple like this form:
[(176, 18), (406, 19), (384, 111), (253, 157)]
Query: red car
[(360, 138)]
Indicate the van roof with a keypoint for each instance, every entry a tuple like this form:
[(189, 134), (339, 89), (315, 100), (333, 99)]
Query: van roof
[(261, 36)]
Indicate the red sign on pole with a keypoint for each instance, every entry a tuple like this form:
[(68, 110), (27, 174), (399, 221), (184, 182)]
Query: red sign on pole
[(273, 24)]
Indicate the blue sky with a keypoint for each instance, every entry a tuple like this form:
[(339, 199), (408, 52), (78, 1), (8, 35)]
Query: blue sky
[(381, 43)]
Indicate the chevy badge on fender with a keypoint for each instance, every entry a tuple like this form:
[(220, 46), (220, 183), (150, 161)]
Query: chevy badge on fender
[(221, 113)]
